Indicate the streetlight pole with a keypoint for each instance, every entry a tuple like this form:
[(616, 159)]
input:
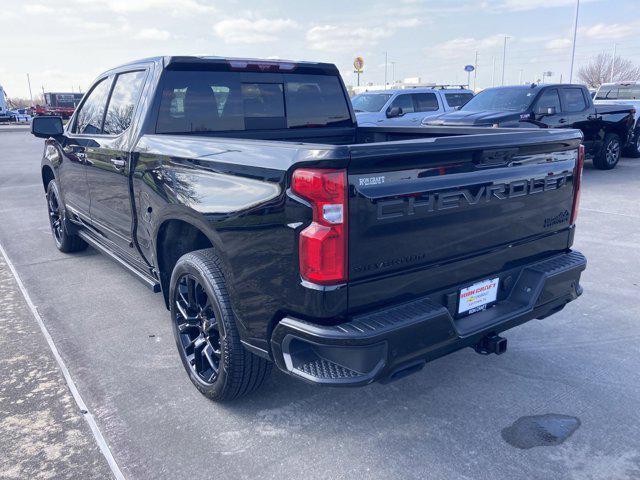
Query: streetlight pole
[(504, 56), (520, 76), (493, 72), (573, 47), (475, 72), (30, 94), (385, 70), (393, 72)]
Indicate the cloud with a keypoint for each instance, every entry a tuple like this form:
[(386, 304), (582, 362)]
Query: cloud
[(174, 7), (611, 31), (37, 9), (261, 30), (558, 43), (460, 47), (523, 5), (334, 37), (152, 34)]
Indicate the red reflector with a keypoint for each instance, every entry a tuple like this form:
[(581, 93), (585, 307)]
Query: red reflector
[(323, 244), (577, 184)]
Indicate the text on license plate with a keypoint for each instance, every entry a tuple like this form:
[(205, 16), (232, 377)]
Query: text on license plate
[(477, 296)]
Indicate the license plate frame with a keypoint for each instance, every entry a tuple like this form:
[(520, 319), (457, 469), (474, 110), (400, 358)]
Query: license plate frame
[(478, 296)]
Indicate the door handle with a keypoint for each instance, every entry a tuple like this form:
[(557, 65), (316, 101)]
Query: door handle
[(562, 120), (118, 164)]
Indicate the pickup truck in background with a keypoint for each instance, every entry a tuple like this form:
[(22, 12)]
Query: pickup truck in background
[(280, 231), (623, 93), (607, 129), (407, 107)]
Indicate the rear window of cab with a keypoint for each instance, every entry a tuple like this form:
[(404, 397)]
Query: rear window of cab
[(211, 101)]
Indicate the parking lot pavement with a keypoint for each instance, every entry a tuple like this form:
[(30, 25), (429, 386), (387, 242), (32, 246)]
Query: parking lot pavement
[(42, 432), (444, 422)]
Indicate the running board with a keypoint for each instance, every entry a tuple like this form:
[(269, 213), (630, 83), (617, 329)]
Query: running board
[(147, 279)]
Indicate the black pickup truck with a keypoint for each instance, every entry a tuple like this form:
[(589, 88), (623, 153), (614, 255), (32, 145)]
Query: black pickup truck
[(280, 232), (607, 129)]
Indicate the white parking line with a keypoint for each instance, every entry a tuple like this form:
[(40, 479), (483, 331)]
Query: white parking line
[(102, 444)]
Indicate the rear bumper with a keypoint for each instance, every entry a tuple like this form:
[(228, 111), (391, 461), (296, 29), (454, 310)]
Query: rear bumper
[(388, 343)]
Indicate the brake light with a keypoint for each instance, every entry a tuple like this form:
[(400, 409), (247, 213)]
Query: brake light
[(577, 181), (323, 244), (261, 66)]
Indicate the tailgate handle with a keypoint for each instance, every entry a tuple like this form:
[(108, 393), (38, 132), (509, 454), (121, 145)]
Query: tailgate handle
[(493, 158)]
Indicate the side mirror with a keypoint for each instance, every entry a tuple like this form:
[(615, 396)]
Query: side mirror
[(45, 127), (394, 112)]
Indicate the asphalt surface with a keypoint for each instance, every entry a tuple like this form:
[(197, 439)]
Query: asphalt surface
[(451, 420)]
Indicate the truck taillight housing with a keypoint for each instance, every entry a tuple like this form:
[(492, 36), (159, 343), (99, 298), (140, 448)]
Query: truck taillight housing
[(577, 181), (323, 244)]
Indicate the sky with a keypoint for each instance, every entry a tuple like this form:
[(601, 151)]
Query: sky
[(64, 44)]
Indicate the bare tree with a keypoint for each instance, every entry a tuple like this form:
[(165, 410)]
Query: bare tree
[(598, 70)]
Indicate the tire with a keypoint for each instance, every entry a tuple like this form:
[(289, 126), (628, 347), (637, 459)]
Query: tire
[(205, 330), (633, 150), (609, 155), (65, 240)]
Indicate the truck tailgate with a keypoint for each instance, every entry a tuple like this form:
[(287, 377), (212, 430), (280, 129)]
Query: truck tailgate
[(434, 213)]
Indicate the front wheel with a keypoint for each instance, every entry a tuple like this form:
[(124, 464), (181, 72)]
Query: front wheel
[(609, 155), (66, 241), (633, 149), (205, 330)]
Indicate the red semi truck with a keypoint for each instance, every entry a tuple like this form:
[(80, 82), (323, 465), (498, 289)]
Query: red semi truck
[(59, 104)]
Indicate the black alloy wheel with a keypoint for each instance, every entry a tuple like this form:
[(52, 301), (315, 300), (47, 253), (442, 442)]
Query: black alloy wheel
[(198, 329), (55, 217)]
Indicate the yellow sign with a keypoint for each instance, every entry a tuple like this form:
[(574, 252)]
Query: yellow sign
[(358, 64)]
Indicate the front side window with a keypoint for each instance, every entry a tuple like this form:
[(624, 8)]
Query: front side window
[(404, 102), (123, 101), (607, 92), (574, 100), (425, 102), (548, 99), (89, 119)]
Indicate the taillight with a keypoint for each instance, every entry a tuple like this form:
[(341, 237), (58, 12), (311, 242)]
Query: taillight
[(577, 181), (323, 244)]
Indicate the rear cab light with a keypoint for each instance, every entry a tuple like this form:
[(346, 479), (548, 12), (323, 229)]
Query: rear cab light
[(322, 246), (577, 184)]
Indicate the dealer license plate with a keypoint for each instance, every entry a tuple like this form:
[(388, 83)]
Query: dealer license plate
[(478, 296)]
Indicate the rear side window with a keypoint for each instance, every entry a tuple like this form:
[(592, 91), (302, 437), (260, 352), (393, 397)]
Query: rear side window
[(205, 101), (405, 102), (123, 100), (89, 118), (458, 99), (629, 92), (425, 102), (574, 100)]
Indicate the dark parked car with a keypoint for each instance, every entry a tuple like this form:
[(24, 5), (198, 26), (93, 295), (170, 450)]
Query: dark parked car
[(607, 129), (279, 231)]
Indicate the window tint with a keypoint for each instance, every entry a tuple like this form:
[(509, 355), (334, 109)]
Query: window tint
[(516, 99), (89, 119), (458, 99), (574, 99), (425, 102), (404, 102), (198, 101), (549, 98), (315, 101), (123, 101)]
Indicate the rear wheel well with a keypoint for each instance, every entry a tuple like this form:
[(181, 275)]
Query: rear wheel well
[(47, 176), (175, 238)]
